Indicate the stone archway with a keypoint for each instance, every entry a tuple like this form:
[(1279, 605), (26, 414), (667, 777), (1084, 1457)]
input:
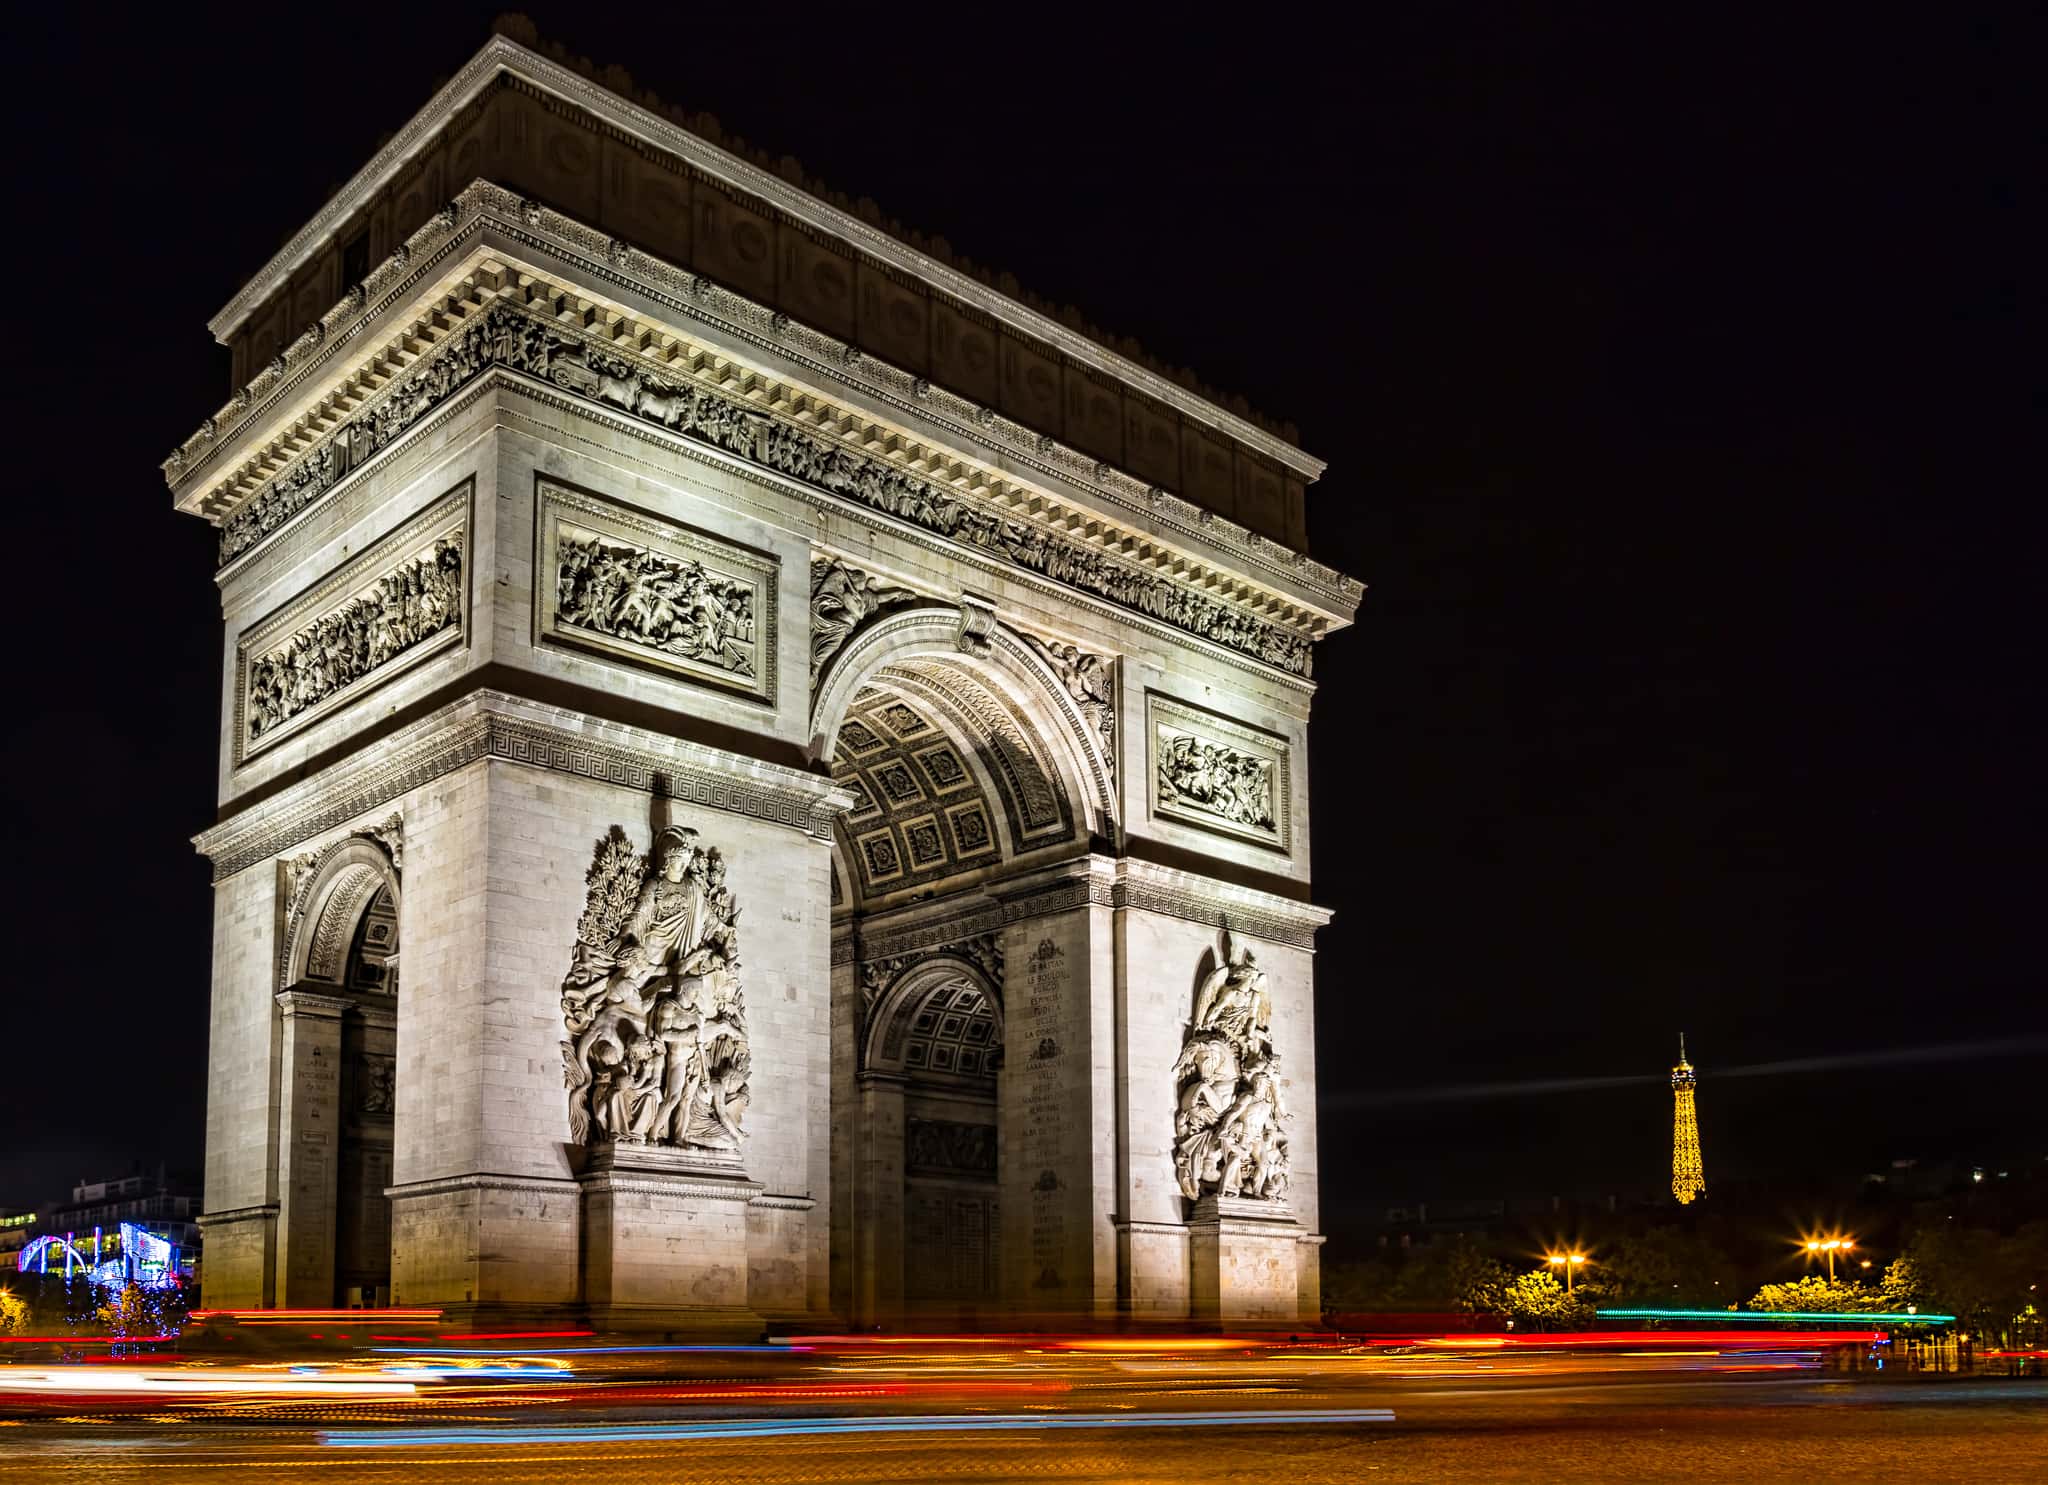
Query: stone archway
[(930, 1056), (338, 1012), (973, 767)]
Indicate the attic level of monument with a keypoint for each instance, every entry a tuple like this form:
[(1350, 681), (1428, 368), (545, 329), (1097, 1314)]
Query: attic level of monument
[(549, 134), (757, 386)]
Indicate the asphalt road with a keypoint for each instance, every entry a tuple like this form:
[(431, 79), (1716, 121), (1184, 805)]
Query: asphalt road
[(1613, 1427)]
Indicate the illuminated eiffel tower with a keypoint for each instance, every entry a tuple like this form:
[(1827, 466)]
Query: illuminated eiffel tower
[(1687, 1178)]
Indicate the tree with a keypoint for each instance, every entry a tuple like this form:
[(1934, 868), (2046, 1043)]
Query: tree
[(1815, 1294), (14, 1313), (1663, 1266), (1982, 1278), (131, 1311), (1536, 1301)]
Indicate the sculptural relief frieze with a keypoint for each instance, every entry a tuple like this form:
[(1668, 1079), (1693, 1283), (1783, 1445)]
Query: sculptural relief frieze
[(843, 597), (657, 1050), (949, 1147), (381, 614), (510, 337), (1217, 774), (1091, 681), (649, 592), (1228, 1132)]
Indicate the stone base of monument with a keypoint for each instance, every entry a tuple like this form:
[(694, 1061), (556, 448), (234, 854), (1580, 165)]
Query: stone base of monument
[(1243, 1264), (665, 1240)]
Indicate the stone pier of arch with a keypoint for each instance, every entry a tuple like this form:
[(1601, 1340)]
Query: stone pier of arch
[(556, 543)]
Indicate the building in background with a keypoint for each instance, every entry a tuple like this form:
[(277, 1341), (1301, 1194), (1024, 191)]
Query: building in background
[(141, 1228)]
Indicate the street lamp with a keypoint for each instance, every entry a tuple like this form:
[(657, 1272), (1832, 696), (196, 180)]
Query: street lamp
[(1831, 1246), (1569, 1262)]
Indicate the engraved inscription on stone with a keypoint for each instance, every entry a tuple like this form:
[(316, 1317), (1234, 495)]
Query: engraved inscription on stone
[(1041, 1148), (1210, 771), (390, 609), (634, 588)]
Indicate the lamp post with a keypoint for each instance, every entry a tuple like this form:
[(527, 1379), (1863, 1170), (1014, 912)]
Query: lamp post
[(1569, 1262), (1830, 1246)]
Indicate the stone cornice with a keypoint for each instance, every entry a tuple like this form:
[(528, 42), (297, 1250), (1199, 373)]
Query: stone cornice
[(484, 1181), (1097, 880), (499, 318), (269, 428), (501, 56), (1217, 904), (491, 724)]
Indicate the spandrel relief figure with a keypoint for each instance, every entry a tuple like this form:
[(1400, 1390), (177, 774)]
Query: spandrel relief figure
[(1228, 1115), (657, 1050)]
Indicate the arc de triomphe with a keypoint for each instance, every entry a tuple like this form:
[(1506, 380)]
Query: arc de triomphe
[(761, 777)]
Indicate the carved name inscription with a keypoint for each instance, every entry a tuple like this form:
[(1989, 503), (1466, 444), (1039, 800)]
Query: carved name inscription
[(1042, 1149)]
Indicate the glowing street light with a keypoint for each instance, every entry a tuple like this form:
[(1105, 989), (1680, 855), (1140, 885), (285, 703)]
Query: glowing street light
[(1569, 1262), (1831, 1246)]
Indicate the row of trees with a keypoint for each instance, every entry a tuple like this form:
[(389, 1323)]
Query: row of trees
[(1987, 1280)]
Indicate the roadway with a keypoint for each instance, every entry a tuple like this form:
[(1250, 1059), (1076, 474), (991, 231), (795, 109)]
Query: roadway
[(1019, 1414)]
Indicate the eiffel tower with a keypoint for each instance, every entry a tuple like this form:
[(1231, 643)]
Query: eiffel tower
[(1687, 1178)]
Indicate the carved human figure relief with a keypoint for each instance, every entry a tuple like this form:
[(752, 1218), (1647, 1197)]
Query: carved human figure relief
[(1091, 681), (405, 607), (669, 604), (842, 597), (1228, 1114), (657, 1049), (1198, 774)]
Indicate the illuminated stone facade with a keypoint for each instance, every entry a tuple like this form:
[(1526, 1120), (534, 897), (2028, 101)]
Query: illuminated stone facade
[(741, 746)]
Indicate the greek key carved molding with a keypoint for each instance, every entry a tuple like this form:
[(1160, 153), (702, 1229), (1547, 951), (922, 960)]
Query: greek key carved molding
[(509, 336), (447, 742)]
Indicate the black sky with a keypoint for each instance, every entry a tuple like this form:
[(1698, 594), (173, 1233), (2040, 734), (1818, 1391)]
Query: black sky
[(1681, 386)]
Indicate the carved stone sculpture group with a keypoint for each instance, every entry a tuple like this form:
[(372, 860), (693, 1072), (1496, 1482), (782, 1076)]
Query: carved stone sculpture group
[(657, 1031), (1199, 774), (508, 337), (1228, 1139), (413, 602), (666, 603)]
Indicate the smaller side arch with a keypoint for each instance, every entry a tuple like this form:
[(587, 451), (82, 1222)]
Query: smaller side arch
[(929, 989), (345, 878)]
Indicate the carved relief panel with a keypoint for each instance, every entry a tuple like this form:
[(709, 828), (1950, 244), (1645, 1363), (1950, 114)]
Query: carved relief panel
[(630, 587), (394, 607), (1216, 774)]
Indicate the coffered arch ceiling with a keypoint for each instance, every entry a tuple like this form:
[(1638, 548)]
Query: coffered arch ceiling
[(948, 778)]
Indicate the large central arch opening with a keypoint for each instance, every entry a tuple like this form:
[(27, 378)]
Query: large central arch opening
[(965, 770)]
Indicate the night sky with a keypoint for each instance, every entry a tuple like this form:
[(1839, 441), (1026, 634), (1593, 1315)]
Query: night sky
[(1681, 388)]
